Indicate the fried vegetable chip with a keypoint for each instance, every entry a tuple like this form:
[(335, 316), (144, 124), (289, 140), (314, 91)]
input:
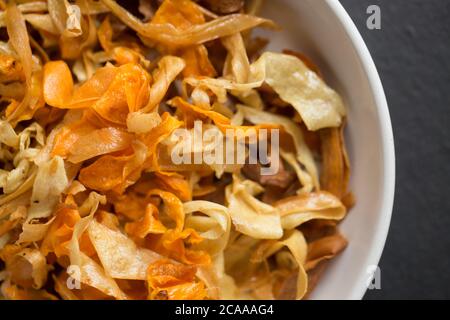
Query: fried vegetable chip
[(120, 257), (251, 216)]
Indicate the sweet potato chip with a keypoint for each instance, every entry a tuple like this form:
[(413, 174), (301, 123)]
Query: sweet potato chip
[(169, 281)]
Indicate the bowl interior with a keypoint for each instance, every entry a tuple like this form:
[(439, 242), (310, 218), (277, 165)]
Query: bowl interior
[(323, 31)]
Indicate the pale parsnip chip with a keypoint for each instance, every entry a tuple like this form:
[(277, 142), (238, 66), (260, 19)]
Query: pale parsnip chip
[(302, 176), (236, 64), (214, 226), (92, 274), (250, 215), (119, 255), (296, 243), (7, 134), (29, 268), (32, 232), (299, 209), (83, 268), (90, 205), (218, 283), (139, 122), (66, 17), (73, 22), (18, 154), (318, 105), (51, 180), (168, 69)]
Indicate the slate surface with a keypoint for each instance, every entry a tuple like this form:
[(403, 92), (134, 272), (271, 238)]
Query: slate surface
[(412, 54)]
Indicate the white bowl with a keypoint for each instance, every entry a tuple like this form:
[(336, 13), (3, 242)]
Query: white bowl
[(324, 31)]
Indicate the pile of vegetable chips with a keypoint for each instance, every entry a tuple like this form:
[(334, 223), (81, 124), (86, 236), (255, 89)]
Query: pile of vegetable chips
[(92, 205)]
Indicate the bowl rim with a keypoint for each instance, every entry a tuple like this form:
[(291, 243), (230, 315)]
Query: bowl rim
[(387, 142)]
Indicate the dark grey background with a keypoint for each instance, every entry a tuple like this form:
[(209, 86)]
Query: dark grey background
[(412, 54)]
